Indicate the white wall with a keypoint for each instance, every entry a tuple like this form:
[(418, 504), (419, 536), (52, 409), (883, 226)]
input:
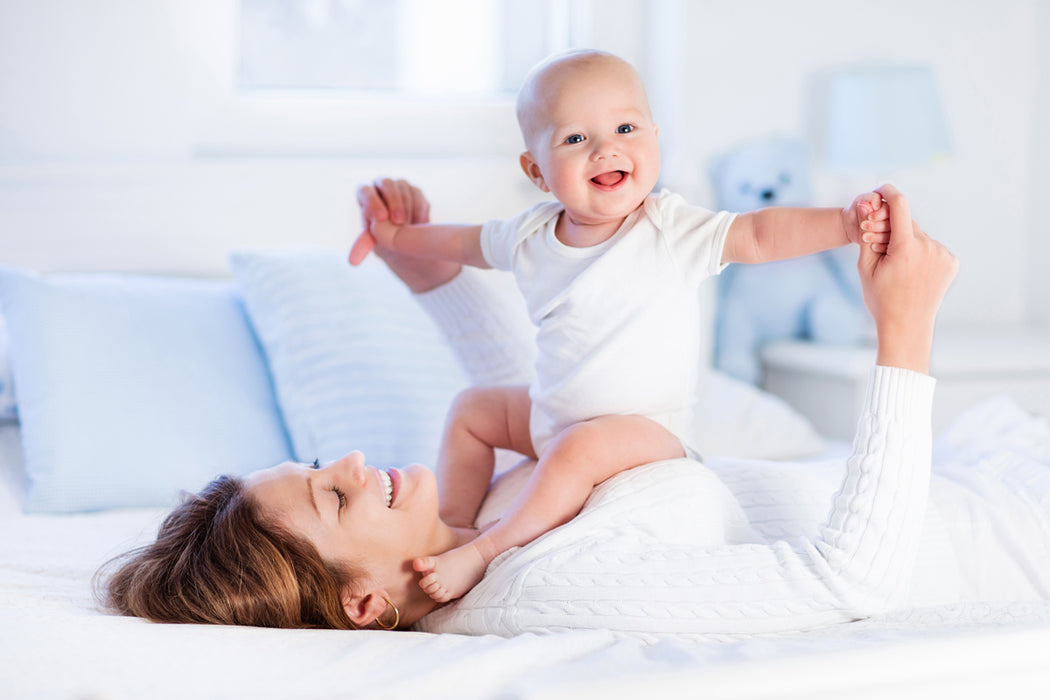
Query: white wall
[(122, 148), (1038, 253), (750, 70), (115, 134)]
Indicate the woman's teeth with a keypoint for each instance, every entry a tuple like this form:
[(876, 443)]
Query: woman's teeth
[(388, 487)]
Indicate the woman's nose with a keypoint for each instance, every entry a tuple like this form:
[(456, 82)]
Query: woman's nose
[(353, 465)]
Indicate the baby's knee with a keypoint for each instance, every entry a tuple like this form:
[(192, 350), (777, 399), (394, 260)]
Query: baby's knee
[(576, 442), (475, 402)]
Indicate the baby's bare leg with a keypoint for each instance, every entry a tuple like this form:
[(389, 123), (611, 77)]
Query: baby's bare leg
[(578, 459), (480, 420)]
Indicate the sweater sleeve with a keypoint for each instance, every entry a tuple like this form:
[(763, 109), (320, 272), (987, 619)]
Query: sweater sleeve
[(856, 565)]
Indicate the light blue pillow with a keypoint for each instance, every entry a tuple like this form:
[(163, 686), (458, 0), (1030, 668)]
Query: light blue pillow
[(356, 363), (7, 387), (131, 389)]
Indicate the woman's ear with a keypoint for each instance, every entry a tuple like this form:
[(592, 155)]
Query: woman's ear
[(532, 171), (364, 608)]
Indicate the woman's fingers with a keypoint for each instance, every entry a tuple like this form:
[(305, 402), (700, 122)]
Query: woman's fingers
[(395, 199), (901, 225), (372, 206), (419, 206)]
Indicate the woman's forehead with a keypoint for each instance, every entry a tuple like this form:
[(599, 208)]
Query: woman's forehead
[(276, 487)]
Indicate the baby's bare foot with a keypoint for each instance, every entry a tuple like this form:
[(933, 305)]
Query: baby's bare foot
[(450, 575)]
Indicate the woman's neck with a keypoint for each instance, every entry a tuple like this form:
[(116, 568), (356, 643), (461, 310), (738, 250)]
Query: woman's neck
[(417, 603)]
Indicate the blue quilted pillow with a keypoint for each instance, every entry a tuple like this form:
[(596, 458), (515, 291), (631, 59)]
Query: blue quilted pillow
[(131, 389)]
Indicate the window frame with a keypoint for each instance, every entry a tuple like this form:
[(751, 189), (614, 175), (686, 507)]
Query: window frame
[(233, 122)]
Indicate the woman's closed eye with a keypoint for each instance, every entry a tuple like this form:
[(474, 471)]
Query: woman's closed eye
[(342, 496), (334, 489)]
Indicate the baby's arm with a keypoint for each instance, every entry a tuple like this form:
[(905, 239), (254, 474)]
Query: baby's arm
[(454, 242), (578, 459), (778, 233)]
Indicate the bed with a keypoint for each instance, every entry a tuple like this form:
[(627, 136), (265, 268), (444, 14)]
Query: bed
[(133, 366)]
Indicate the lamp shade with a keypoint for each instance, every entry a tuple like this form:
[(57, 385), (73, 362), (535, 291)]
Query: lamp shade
[(884, 118)]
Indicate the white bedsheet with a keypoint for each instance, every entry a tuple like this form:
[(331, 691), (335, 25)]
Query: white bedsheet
[(55, 643)]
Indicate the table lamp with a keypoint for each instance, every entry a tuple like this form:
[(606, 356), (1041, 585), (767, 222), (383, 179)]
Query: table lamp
[(884, 118)]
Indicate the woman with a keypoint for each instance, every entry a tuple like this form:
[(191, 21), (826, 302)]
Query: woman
[(664, 548)]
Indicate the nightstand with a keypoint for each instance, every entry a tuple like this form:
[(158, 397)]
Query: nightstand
[(826, 383)]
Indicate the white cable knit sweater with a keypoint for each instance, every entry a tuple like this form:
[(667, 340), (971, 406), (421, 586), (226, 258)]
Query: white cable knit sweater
[(668, 549)]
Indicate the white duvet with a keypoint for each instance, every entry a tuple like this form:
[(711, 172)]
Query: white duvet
[(56, 644)]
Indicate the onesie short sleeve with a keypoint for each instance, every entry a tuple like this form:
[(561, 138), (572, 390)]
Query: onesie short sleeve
[(696, 236), (500, 237)]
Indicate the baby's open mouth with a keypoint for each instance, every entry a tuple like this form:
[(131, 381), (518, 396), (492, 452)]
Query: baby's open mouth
[(609, 179)]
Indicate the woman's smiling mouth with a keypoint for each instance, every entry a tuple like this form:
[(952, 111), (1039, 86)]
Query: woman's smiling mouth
[(388, 487)]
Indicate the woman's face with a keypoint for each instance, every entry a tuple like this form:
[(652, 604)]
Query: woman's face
[(344, 510)]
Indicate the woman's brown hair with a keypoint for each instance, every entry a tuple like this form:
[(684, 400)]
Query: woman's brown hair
[(217, 560)]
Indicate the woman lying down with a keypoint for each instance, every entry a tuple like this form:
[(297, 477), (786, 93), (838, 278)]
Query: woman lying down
[(666, 548)]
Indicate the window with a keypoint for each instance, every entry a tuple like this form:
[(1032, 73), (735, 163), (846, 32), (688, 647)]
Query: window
[(335, 78), (406, 46)]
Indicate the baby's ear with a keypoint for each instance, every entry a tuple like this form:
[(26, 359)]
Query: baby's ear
[(532, 171)]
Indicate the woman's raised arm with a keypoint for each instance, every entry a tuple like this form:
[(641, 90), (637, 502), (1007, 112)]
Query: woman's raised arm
[(903, 287)]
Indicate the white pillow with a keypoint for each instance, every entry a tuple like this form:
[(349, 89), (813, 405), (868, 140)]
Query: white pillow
[(734, 418), (131, 389), (356, 363)]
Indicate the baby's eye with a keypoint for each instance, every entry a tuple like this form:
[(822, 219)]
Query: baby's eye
[(625, 128), (575, 138)]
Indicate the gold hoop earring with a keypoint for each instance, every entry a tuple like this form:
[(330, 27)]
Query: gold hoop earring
[(397, 616)]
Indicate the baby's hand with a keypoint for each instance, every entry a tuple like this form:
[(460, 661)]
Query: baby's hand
[(867, 220)]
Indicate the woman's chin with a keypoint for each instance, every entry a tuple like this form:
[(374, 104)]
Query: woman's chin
[(418, 488)]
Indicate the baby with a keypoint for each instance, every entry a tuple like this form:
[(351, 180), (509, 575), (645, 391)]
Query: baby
[(610, 273)]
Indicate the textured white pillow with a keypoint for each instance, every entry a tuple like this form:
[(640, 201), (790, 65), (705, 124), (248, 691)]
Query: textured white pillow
[(734, 418), (356, 363)]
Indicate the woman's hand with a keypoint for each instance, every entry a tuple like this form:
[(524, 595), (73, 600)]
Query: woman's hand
[(399, 202), (904, 286), (386, 199)]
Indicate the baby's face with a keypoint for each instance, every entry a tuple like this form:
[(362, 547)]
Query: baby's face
[(591, 139)]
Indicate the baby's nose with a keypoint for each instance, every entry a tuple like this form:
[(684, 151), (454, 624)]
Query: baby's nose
[(603, 148)]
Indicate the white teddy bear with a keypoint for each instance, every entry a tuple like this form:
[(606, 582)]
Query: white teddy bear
[(816, 297)]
